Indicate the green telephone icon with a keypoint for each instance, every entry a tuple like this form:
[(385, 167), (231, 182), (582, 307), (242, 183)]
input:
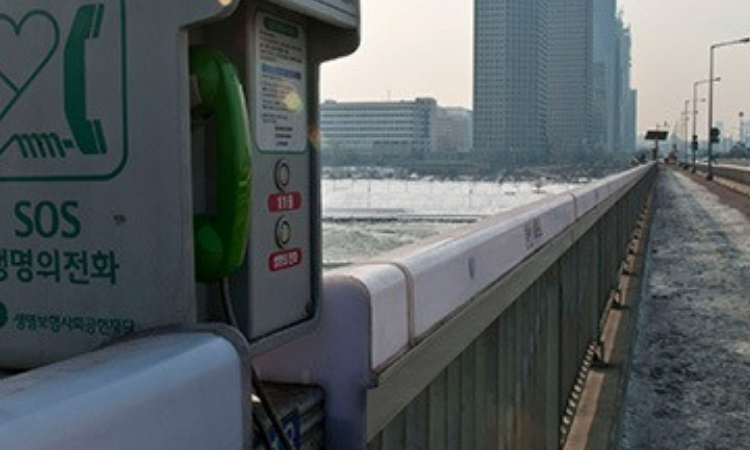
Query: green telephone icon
[(87, 133), (221, 239)]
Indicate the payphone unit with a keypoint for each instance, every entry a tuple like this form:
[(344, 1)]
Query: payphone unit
[(152, 150)]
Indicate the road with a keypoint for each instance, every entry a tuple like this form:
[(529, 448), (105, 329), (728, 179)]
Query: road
[(689, 387)]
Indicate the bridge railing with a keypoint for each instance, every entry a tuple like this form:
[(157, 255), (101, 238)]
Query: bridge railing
[(474, 338), (731, 172)]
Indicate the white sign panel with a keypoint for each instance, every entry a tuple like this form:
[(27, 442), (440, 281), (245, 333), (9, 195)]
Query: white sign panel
[(94, 227), (281, 86)]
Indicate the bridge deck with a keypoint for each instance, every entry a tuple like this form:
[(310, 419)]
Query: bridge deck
[(690, 366)]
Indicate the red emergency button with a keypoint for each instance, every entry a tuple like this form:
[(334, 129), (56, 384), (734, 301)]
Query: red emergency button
[(284, 260), (284, 201)]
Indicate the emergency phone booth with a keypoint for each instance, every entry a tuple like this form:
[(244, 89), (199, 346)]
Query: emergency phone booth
[(159, 168)]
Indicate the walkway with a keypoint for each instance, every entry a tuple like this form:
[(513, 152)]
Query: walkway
[(689, 386)]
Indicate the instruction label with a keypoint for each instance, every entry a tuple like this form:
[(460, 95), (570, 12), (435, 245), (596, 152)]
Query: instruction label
[(62, 96), (281, 86)]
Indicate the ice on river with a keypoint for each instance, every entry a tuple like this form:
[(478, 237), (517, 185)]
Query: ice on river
[(365, 217)]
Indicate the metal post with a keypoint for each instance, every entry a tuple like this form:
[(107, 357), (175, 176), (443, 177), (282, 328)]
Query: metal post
[(695, 117), (694, 143), (685, 121), (710, 172), (741, 139)]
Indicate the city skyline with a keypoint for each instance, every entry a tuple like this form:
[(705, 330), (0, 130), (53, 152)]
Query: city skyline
[(406, 54)]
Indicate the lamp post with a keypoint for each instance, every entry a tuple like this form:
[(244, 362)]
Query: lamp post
[(685, 121), (742, 129), (745, 40), (695, 115)]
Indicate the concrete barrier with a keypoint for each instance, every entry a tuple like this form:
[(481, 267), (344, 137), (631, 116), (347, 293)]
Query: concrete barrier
[(735, 173)]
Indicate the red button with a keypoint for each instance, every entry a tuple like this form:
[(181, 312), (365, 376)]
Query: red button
[(287, 201), (284, 260)]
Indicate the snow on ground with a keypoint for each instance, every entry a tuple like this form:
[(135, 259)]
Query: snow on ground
[(689, 386)]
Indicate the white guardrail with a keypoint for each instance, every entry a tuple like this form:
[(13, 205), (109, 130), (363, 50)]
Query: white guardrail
[(182, 390), (376, 312)]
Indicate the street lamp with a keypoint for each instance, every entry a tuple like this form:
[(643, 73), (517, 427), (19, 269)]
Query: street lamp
[(745, 40), (695, 115), (742, 129), (685, 121)]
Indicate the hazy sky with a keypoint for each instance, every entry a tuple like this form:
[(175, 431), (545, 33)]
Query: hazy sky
[(414, 48)]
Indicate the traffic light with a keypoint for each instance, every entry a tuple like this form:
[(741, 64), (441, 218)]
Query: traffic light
[(715, 135)]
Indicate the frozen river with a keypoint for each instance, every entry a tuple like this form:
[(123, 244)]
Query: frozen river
[(363, 218), (688, 387)]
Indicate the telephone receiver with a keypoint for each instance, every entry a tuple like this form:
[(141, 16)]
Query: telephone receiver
[(87, 133), (221, 239)]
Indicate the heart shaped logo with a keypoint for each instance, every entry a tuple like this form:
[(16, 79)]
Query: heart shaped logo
[(27, 47)]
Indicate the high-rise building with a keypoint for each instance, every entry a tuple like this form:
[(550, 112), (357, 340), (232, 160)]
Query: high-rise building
[(510, 81), (551, 79), (630, 130), (571, 77), (606, 86), (614, 100), (628, 113)]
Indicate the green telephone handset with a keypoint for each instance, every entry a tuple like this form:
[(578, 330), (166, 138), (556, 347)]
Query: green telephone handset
[(221, 239), (87, 132)]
